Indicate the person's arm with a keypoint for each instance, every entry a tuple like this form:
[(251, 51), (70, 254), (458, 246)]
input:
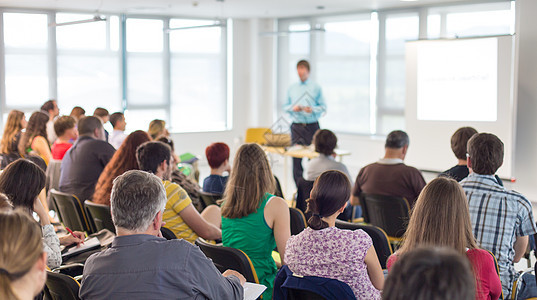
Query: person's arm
[(520, 246), (373, 269), (69, 239), (277, 216), (41, 147), (51, 243), (199, 225), (320, 106)]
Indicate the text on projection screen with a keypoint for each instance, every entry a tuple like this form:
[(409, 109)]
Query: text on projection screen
[(457, 80)]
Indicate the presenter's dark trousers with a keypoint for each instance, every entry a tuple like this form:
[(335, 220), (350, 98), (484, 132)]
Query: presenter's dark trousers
[(301, 134)]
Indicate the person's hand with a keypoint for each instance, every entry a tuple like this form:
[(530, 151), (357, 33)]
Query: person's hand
[(232, 272), (41, 212), (76, 238), (307, 109), (297, 108)]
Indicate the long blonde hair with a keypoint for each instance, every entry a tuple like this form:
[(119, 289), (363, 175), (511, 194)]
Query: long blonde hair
[(250, 178), (440, 217), (157, 128), (12, 128), (20, 248)]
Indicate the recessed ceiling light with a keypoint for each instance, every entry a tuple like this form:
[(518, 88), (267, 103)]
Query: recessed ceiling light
[(408, 0), (320, 7)]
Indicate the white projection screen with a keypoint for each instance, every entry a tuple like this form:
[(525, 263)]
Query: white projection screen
[(456, 83)]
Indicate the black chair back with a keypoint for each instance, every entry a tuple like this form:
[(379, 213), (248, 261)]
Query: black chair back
[(100, 215), (61, 287), (71, 211), (209, 198), (379, 237), (303, 193), (167, 233), (229, 258), (278, 192), (387, 212), (298, 221)]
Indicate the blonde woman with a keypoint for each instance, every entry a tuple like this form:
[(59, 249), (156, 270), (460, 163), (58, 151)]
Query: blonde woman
[(157, 129), (254, 220), (35, 140), (12, 131), (441, 218), (22, 259)]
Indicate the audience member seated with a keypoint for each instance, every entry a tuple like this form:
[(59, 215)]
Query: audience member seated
[(440, 218), (123, 160), (84, 162), (157, 129), (325, 251), (22, 181), (118, 135), (179, 214), (390, 176), (34, 139), (325, 142), (458, 145), (141, 264), (65, 128), (253, 220), (501, 219), (78, 113), (430, 273), (190, 186), (23, 269), (50, 108), (218, 158), (15, 123), (103, 115)]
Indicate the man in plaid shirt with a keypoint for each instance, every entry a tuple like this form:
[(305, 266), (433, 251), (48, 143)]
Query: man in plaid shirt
[(501, 219)]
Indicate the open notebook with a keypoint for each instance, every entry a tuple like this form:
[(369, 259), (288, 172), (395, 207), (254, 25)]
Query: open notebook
[(253, 290), (89, 244)]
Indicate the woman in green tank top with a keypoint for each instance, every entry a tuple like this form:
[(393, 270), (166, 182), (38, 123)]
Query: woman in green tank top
[(253, 220)]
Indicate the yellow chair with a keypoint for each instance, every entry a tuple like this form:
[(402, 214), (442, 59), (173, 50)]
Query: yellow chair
[(256, 135)]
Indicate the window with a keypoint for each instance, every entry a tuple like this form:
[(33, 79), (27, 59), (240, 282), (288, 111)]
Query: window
[(197, 75), (88, 63), (342, 70), (26, 62)]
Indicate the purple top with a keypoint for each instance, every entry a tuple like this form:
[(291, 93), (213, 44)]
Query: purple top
[(333, 253)]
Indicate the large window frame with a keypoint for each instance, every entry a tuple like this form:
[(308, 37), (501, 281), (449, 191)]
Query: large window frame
[(123, 58)]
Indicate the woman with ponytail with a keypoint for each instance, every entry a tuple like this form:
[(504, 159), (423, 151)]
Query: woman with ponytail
[(22, 259), (326, 251)]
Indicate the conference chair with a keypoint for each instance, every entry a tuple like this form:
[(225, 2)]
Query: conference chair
[(298, 221), (225, 258), (100, 215), (60, 287), (278, 192), (209, 198), (304, 188), (379, 237), (497, 268), (295, 287), (167, 233), (71, 211), (256, 135), (387, 212)]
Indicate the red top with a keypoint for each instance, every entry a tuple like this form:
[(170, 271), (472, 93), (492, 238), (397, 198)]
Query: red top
[(58, 150), (488, 281)]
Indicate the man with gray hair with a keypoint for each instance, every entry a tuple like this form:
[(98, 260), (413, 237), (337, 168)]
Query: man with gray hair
[(140, 264), (390, 176)]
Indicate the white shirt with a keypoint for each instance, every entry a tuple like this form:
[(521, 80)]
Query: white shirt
[(116, 138)]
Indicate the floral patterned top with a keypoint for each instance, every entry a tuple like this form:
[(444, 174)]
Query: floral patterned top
[(51, 244), (333, 253)]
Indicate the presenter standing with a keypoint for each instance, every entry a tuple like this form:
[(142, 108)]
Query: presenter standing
[(305, 105)]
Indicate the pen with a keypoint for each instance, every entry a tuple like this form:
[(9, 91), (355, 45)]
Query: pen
[(72, 233)]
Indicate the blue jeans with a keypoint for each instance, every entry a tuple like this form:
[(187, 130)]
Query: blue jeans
[(527, 286)]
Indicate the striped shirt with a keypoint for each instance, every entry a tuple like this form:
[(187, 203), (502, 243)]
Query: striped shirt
[(178, 200), (498, 216)]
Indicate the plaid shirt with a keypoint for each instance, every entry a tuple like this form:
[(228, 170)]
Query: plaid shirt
[(498, 216)]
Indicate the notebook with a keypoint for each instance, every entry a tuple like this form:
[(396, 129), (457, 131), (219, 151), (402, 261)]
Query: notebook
[(252, 291), (89, 244)]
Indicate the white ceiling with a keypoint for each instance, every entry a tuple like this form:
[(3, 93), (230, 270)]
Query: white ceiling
[(214, 8)]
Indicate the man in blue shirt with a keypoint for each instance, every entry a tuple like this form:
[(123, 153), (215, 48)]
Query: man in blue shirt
[(305, 105)]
